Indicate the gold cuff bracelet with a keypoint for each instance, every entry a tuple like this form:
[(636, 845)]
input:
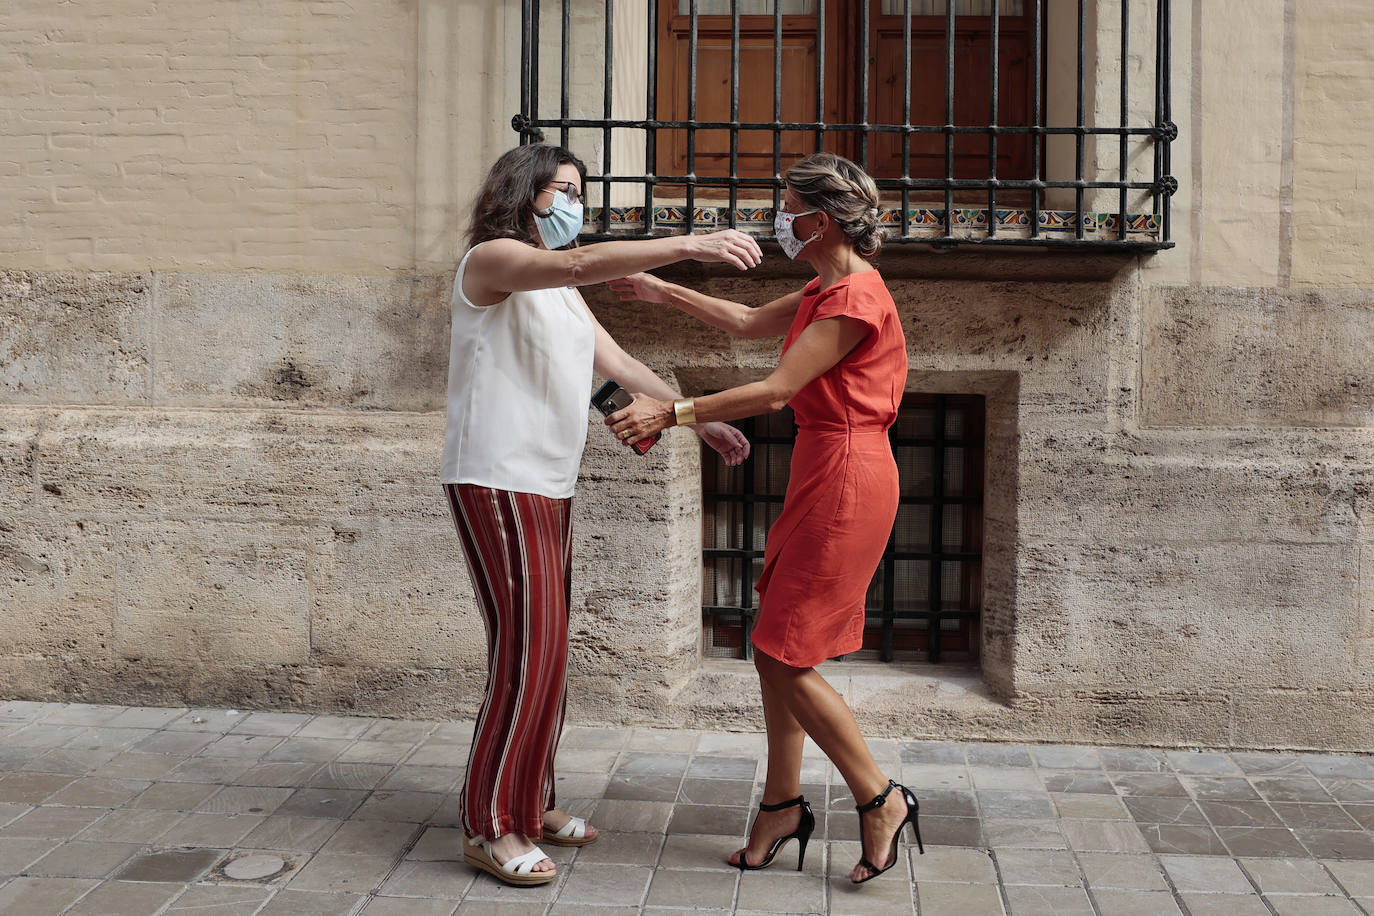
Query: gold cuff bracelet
[(685, 410)]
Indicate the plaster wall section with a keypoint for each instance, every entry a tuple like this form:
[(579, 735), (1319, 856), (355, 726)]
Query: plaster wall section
[(323, 136), (1332, 132), (1242, 140)]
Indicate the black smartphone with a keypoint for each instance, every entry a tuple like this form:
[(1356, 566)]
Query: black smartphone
[(609, 398)]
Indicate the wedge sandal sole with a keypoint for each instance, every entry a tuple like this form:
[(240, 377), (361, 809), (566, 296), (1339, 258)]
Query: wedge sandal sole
[(554, 839), (478, 858)]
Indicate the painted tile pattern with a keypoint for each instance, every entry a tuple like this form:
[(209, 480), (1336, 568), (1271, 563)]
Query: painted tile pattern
[(923, 222)]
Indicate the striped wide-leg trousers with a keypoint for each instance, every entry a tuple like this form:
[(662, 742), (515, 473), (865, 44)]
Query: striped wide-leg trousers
[(519, 553)]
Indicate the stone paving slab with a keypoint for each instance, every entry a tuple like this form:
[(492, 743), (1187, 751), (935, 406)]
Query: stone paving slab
[(108, 809)]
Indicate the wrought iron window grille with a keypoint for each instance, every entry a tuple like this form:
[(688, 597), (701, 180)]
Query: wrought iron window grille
[(1014, 209), (926, 596)]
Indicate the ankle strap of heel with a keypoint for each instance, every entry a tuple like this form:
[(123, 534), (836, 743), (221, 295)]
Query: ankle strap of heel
[(780, 806), (879, 801)]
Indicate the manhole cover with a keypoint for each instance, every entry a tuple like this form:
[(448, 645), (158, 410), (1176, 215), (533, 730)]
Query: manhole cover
[(254, 868)]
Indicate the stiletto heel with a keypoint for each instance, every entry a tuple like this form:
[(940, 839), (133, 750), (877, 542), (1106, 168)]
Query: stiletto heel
[(912, 809), (802, 835)]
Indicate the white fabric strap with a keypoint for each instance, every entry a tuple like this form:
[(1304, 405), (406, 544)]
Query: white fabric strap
[(574, 829), (523, 864)]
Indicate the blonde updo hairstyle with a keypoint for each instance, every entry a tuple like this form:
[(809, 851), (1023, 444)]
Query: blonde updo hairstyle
[(824, 181)]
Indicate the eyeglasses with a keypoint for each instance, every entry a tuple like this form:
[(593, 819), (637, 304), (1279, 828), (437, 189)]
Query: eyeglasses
[(569, 190)]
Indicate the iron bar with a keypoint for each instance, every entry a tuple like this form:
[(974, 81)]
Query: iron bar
[(820, 76), (1159, 97), (651, 114), (746, 592), (949, 118), (565, 55), (777, 104), (934, 184), (1002, 241), (525, 89), (608, 105), (1078, 138), (691, 115), (937, 536), (734, 109), (906, 114), (1122, 148), (1168, 119), (992, 116), (864, 64), (642, 123), (535, 89), (1037, 93)]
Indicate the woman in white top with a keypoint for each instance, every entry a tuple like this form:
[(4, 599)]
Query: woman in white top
[(524, 346)]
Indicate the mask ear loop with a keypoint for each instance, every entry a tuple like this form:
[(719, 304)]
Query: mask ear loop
[(819, 233)]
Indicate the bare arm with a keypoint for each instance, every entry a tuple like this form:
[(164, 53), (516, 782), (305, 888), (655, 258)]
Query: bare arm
[(769, 320), (611, 361), (818, 349), (503, 266)]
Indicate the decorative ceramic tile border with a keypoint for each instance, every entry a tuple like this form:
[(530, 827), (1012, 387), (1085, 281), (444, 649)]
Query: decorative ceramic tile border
[(924, 223)]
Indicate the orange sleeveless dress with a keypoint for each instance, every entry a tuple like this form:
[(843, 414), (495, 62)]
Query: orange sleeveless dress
[(842, 490)]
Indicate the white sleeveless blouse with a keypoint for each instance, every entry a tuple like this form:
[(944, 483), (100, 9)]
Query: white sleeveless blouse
[(519, 379)]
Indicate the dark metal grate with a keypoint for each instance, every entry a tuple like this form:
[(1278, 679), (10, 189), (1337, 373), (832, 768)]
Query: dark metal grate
[(925, 598), (1144, 175)]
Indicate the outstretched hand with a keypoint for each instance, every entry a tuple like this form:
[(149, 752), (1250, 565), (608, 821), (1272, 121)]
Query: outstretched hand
[(725, 439), (641, 419), (647, 416), (644, 287), (729, 246)]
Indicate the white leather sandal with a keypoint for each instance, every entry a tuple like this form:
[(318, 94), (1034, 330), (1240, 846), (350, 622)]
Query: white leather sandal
[(518, 870), (573, 833)]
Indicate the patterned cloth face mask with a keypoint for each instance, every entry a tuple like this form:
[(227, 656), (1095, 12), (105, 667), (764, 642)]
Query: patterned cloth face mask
[(787, 238), (561, 223)]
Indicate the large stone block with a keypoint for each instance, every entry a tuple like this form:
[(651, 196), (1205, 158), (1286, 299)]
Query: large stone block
[(74, 338), (1338, 720), (271, 466), (637, 568), (323, 340), (1258, 357), (1192, 717), (212, 594), (393, 597), (18, 446), (1055, 336), (1223, 615), (1086, 486), (1364, 633), (57, 586)]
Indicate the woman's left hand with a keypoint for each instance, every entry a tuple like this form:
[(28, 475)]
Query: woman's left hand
[(725, 439), (641, 419)]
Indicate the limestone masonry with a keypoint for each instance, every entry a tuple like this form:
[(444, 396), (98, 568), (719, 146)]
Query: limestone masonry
[(224, 274)]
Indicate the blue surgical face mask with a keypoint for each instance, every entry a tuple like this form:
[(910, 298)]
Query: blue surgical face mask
[(561, 223), (787, 238)]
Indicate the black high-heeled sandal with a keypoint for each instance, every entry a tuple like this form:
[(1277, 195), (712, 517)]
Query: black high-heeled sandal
[(912, 807), (802, 834)]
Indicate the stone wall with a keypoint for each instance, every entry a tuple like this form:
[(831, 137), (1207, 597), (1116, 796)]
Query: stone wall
[(223, 319)]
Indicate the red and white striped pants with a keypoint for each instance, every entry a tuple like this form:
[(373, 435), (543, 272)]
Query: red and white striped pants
[(519, 553)]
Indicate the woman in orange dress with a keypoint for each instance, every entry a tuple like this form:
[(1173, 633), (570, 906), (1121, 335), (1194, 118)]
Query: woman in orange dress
[(843, 370)]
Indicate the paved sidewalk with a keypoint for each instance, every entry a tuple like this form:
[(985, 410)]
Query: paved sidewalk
[(210, 811)]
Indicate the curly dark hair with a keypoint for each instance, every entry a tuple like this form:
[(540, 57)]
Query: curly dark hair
[(503, 209)]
